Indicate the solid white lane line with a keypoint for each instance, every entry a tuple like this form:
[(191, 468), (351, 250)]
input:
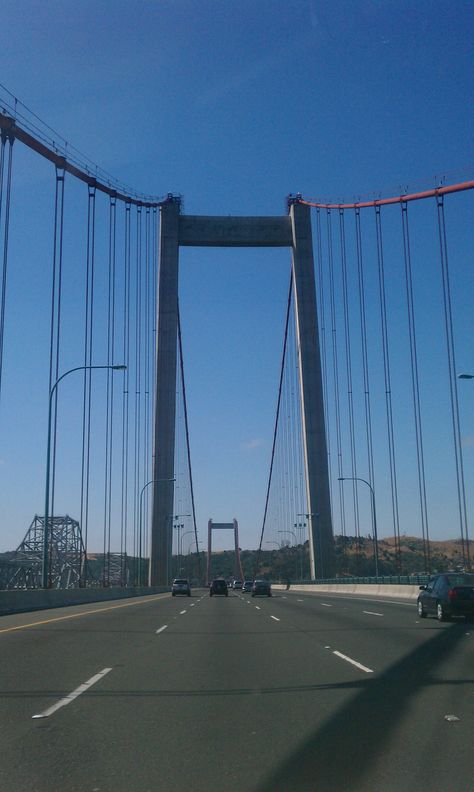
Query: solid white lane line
[(372, 613), (326, 605), (181, 612), (274, 617), (257, 607), (354, 662), (75, 693), (161, 629)]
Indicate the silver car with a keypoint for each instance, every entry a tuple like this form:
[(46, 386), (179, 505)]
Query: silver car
[(180, 586)]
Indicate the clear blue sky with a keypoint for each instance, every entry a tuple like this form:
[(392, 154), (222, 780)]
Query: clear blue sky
[(233, 105)]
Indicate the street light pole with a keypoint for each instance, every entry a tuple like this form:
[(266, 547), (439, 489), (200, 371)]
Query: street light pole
[(46, 532), (296, 540), (178, 527), (300, 526), (186, 533), (374, 517), (309, 516)]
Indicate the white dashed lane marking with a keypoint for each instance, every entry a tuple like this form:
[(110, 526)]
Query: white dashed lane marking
[(75, 693), (354, 662)]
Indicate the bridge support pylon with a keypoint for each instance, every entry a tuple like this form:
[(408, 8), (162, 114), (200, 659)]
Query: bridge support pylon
[(293, 231)]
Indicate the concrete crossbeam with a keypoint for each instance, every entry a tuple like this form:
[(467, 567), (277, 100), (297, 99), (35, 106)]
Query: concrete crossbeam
[(198, 231)]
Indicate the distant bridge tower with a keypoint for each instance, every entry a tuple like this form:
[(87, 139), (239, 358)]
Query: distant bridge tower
[(233, 526), (293, 231)]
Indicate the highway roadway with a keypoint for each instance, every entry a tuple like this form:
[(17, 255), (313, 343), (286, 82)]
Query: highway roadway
[(307, 692)]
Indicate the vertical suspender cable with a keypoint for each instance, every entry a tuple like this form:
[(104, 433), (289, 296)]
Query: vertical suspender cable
[(153, 301), (146, 395), (448, 319), (109, 392), (125, 397), (188, 446), (388, 392), (6, 225), (138, 358), (294, 395), (56, 299), (146, 367), (336, 375), (365, 359), (87, 389), (415, 387), (350, 401), (277, 417), (285, 415)]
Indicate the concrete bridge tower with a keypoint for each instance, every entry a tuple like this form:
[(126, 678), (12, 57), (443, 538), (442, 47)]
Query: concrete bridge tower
[(293, 231)]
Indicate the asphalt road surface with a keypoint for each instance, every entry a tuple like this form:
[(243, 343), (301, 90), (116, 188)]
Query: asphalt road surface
[(294, 692)]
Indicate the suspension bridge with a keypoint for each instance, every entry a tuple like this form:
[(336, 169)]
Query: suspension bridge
[(370, 343), (368, 441)]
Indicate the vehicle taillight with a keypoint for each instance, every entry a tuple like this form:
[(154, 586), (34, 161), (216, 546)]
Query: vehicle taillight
[(452, 594)]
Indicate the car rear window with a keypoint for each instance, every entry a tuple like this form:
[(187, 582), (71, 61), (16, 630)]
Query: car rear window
[(460, 580), (185, 582)]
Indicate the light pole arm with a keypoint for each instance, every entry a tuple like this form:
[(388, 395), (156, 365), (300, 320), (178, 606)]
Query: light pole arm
[(45, 571), (376, 541)]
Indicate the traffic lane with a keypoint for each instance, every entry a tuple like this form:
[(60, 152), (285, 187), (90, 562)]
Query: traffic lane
[(378, 634), (41, 664), (48, 658), (28, 618), (389, 730), (381, 636), (222, 676), (352, 597), (394, 636), (419, 669)]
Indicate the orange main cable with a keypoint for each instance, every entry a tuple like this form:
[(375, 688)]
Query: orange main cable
[(448, 189)]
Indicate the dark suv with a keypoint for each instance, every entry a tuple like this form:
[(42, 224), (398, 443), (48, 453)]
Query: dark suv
[(261, 587), (218, 586), (451, 594)]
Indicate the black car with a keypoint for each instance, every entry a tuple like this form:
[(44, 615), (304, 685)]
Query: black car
[(261, 587), (218, 586), (450, 594)]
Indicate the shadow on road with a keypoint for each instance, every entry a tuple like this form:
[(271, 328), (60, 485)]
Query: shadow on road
[(343, 748)]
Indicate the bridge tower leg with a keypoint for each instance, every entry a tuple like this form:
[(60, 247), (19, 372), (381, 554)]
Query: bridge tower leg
[(321, 540), (165, 405), (209, 552)]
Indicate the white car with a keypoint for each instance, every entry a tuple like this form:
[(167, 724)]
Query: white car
[(237, 585)]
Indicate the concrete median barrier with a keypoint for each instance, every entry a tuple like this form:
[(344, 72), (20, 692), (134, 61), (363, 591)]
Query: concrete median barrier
[(403, 591), (19, 601)]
